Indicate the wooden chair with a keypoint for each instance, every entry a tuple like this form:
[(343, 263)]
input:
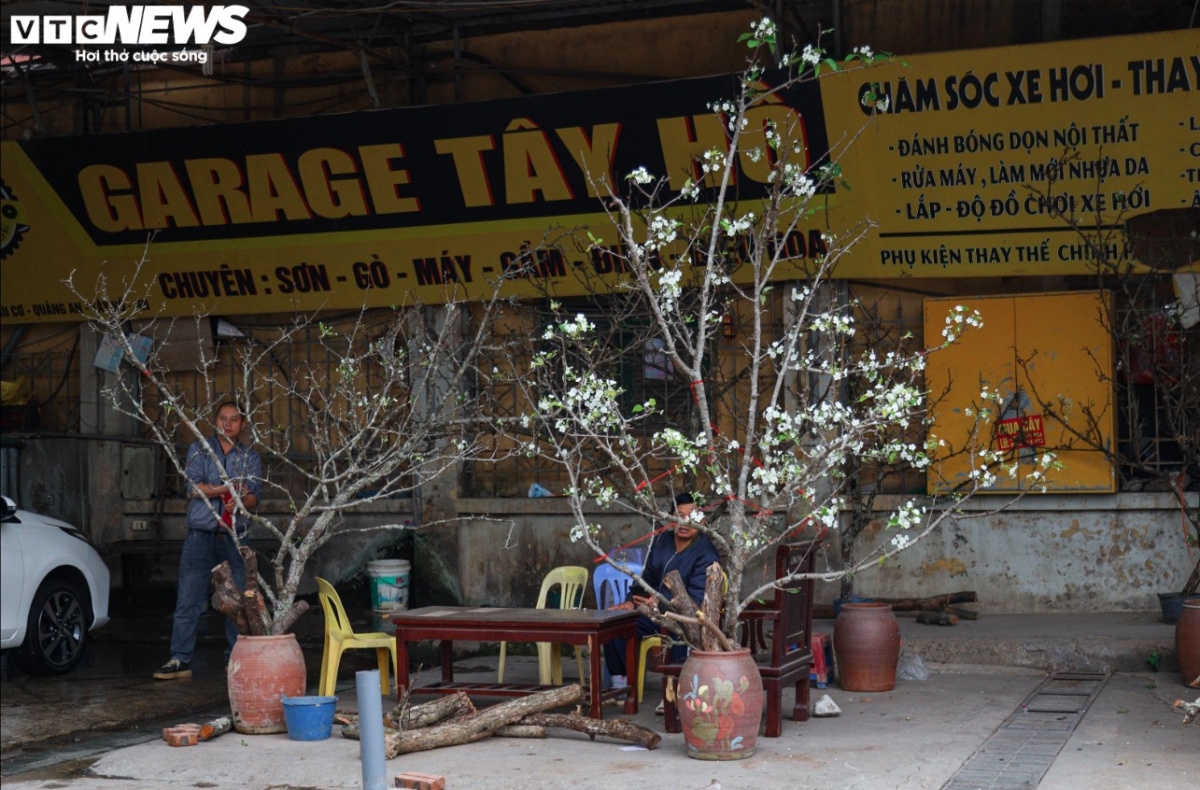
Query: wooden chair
[(790, 658)]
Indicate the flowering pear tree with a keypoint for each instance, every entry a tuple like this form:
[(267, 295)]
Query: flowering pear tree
[(345, 410), (756, 336)]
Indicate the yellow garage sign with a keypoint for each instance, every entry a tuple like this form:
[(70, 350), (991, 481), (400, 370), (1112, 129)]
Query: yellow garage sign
[(438, 203)]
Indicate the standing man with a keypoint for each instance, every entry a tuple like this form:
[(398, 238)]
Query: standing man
[(682, 549), (211, 520)]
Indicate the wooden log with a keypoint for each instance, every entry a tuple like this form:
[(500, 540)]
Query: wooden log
[(711, 606), (282, 624), (227, 598), (255, 605), (352, 730), (481, 724), (621, 729), (522, 731), (254, 608), (720, 641), (250, 561), (936, 618), (674, 629), (683, 604), (933, 603), (964, 614), (215, 728), (680, 600), (414, 717)]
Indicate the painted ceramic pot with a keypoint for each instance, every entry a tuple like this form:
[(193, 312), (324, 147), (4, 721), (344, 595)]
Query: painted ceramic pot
[(720, 704)]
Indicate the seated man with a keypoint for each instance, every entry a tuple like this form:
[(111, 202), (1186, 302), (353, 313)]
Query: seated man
[(682, 549)]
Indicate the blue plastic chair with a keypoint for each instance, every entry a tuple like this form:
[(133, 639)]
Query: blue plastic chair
[(611, 585)]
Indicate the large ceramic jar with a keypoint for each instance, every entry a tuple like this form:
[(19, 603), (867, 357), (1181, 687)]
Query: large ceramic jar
[(1187, 643), (262, 671), (720, 704), (866, 643)]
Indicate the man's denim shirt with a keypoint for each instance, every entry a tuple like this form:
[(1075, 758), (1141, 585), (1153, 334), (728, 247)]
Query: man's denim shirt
[(242, 465)]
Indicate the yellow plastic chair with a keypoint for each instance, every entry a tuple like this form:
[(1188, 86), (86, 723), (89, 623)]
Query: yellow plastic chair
[(572, 579), (648, 644), (339, 636)]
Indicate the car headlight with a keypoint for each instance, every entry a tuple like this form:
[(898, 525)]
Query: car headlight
[(78, 535)]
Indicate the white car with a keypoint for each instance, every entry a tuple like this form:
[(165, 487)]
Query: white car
[(53, 591)]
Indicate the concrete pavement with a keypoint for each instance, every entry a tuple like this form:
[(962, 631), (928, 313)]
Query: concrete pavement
[(916, 736)]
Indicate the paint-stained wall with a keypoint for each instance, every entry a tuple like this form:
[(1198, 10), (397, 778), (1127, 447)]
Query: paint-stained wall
[(1046, 554)]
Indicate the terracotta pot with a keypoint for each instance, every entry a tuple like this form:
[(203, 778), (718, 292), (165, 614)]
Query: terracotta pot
[(262, 671), (720, 704), (1187, 643), (866, 643)]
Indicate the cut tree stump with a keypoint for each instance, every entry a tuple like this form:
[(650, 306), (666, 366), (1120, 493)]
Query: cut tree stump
[(252, 600), (683, 604), (227, 598), (254, 607)]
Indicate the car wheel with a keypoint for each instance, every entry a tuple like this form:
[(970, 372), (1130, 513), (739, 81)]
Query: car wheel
[(57, 631)]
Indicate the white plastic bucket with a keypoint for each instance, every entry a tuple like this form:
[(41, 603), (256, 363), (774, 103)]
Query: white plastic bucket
[(389, 584)]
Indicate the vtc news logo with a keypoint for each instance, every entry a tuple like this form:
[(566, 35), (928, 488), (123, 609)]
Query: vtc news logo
[(135, 25)]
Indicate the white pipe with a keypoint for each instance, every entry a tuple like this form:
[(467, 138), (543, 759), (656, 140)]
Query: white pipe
[(370, 729)]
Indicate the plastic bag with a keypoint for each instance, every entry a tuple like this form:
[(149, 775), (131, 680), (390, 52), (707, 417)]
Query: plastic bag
[(911, 667)]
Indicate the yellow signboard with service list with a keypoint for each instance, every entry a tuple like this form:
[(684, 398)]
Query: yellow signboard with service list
[(976, 157)]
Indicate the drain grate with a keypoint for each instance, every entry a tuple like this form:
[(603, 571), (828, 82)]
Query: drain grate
[(1023, 748)]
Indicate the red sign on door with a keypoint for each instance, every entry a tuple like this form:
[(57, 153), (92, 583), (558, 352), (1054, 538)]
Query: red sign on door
[(1020, 432)]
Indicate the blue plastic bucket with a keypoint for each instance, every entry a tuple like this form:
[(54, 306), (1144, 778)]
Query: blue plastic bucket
[(308, 718)]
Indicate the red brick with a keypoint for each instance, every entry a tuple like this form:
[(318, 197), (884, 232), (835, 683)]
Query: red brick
[(176, 737), (417, 781), (189, 728)]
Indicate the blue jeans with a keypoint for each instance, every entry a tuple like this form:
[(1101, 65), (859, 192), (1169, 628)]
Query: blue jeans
[(202, 551)]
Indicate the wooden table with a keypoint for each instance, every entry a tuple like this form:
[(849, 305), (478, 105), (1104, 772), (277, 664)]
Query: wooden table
[(570, 626)]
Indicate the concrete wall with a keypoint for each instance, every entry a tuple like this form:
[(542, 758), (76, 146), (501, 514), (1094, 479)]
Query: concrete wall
[(51, 481), (506, 546), (1046, 554)]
